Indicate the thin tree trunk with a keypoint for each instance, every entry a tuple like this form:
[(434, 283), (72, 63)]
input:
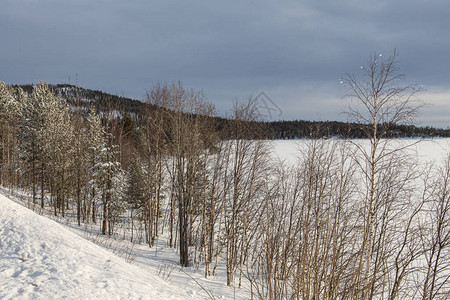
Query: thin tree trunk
[(42, 185)]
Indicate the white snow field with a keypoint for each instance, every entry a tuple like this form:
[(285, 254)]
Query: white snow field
[(425, 150), (60, 264)]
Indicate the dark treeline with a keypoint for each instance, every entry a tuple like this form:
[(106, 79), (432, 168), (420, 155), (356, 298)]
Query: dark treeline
[(293, 129), (301, 129)]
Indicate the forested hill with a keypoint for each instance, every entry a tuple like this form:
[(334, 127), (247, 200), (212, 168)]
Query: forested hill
[(295, 129), (99, 100)]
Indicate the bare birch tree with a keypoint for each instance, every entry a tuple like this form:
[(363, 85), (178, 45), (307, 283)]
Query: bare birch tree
[(379, 100), (436, 283)]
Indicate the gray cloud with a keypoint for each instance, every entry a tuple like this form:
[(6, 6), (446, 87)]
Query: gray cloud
[(294, 50)]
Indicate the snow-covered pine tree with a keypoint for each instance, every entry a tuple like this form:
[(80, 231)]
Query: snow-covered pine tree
[(136, 193), (32, 114), (106, 179), (81, 167), (6, 100), (8, 109), (117, 205), (57, 137), (95, 136)]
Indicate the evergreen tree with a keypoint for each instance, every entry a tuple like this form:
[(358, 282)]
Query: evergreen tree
[(8, 111), (95, 136), (57, 136), (32, 115), (136, 192), (81, 167), (105, 179), (7, 101)]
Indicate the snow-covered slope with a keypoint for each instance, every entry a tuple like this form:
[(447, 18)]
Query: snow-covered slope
[(61, 264)]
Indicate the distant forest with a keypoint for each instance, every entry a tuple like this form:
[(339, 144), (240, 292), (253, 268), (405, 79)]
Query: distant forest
[(296, 129)]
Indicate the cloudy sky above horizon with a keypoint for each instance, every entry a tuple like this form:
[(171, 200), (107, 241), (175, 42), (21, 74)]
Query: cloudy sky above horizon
[(294, 51)]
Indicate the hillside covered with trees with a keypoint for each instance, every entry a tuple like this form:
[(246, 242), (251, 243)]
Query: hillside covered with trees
[(287, 129)]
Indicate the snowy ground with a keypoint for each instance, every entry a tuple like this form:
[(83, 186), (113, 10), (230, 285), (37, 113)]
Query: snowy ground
[(427, 150), (42, 259), (63, 260), (66, 261)]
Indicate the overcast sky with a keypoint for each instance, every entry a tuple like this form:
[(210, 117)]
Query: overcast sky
[(294, 51)]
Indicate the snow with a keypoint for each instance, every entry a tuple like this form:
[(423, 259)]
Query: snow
[(426, 150), (44, 259), (41, 259)]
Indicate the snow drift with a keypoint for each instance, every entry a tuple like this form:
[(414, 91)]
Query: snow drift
[(41, 259)]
